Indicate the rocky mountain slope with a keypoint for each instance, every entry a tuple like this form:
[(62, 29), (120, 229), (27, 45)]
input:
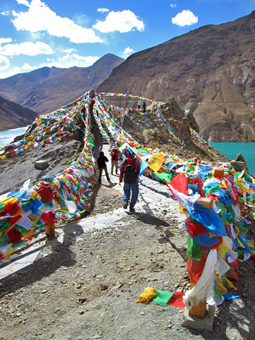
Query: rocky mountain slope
[(14, 115), (210, 71), (47, 89)]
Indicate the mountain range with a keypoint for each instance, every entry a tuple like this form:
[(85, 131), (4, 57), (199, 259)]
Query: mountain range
[(47, 89), (210, 71)]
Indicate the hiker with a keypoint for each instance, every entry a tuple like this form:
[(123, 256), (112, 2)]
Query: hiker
[(101, 161), (115, 158), (83, 112), (92, 100), (130, 171), (139, 104), (144, 107)]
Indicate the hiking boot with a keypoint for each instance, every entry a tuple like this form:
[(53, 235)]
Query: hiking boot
[(125, 205), (132, 210)]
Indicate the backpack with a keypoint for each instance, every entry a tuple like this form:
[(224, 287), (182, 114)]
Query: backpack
[(130, 173)]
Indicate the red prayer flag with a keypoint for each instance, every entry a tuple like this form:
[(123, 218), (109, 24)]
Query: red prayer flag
[(180, 184), (177, 300), (233, 275), (194, 229)]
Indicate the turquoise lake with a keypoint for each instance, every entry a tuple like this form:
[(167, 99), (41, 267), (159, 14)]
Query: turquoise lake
[(230, 150), (7, 136)]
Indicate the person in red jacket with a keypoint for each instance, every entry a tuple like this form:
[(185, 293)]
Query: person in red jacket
[(130, 171), (115, 158)]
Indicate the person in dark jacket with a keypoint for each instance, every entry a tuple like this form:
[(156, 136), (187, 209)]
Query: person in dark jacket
[(144, 107), (130, 187), (101, 161)]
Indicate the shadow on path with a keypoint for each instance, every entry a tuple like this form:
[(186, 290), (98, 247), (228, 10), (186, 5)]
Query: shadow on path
[(161, 225), (59, 256)]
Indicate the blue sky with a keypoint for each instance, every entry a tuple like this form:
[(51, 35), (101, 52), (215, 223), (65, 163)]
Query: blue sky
[(63, 33)]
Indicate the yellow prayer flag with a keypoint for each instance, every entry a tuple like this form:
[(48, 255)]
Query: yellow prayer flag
[(33, 218), (9, 252), (211, 234), (148, 294), (250, 244), (156, 161), (220, 287), (241, 185), (223, 185), (34, 195), (229, 284), (240, 243), (29, 234), (182, 210), (223, 249), (9, 200)]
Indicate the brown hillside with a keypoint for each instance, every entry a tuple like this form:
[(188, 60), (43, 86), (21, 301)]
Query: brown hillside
[(48, 89), (210, 71), (13, 115)]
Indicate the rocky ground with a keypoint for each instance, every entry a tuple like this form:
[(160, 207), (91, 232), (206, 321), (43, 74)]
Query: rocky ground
[(84, 283)]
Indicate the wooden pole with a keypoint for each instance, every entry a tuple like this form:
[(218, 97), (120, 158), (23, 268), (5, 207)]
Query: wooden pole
[(199, 310), (50, 230)]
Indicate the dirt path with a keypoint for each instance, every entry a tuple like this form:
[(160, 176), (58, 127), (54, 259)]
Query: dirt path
[(86, 281)]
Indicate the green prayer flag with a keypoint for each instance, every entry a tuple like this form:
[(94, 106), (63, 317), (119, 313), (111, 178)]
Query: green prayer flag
[(162, 297), (4, 240), (222, 211), (20, 229), (242, 229), (164, 176), (217, 291), (213, 188), (5, 224), (194, 250), (2, 206)]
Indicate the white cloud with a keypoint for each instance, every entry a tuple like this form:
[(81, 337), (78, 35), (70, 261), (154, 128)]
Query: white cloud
[(23, 2), (128, 50), (185, 18), (27, 67), (39, 17), (4, 62), (103, 10), (123, 22), (77, 60), (5, 13), (173, 5), (5, 40), (70, 50), (8, 74), (26, 48), (16, 68)]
